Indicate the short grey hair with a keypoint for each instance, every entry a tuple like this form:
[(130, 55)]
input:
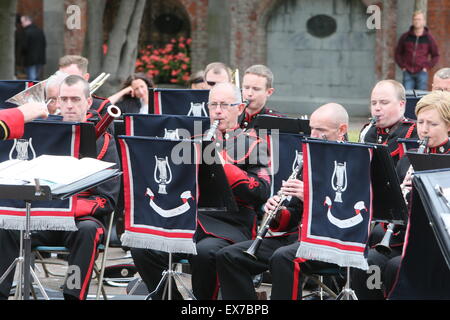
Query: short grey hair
[(55, 80), (233, 87), (443, 73)]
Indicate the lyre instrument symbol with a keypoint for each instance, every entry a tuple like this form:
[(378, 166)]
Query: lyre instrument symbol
[(165, 174), (21, 147), (197, 110), (171, 134), (339, 180)]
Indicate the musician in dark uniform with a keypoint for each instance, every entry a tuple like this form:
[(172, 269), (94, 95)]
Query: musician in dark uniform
[(246, 165), (387, 103), (236, 269), (433, 121), (12, 120), (257, 87), (91, 206), (78, 65)]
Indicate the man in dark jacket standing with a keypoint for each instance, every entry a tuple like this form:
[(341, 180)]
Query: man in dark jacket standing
[(416, 54), (33, 49)]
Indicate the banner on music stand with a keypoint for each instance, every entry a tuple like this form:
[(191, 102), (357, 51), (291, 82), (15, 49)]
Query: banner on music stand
[(187, 102), (283, 163), (165, 126), (337, 203), (160, 191), (49, 138)]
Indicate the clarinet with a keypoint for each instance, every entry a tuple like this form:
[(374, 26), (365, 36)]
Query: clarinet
[(251, 251), (212, 130), (384, 246), (372, 122)]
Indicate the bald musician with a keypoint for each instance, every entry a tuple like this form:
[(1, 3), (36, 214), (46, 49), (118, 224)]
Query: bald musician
[(277, 251), (12, 120), (441, 80), (387, 103), (245, 162)]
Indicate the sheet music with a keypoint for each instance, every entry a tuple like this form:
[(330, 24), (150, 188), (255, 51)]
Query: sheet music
[(51, 170), (446, 218)]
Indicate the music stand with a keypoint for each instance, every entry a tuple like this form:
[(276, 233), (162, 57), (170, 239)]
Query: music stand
[(30, 193), (285, 125), (27, 194), (431, 186), (388, 202), (424, 161)]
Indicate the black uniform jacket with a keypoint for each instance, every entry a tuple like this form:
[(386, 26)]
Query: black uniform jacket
[(405, 129), (101, 200), (247, 121), (248, 175)]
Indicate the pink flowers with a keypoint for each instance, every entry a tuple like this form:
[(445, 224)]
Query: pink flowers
[(170, 64)]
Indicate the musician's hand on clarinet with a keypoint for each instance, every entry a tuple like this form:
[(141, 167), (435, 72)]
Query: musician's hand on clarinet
[(271, 203), (407, 182), (293, 187)]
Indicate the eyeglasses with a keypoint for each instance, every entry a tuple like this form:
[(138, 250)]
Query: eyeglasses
[(222, 105)]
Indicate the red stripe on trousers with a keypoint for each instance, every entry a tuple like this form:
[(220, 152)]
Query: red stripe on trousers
[(91, 264)]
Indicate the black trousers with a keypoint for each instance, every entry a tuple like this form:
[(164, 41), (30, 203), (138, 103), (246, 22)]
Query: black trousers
[(288, 272), (83, 249), (362, 281), (151, 264), (236, 269)]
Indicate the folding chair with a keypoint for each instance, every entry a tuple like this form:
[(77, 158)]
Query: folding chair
[(334, 274), (99, 271)]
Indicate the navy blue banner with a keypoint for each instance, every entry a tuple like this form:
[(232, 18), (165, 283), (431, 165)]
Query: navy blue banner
[(165, 126), (41, 138), (337, 202), (160, 193), (186, 102), (285, 154)]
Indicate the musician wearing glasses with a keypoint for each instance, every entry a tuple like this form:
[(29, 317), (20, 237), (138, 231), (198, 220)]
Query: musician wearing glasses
[(277, 250), (246, 166), (441, 80), (433, 127), (257, 87), (216, 72), (12, 120), (387, 107), (91, 206)]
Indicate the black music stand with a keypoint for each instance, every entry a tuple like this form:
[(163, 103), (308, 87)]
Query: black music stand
[(285, 125), (425, 161), (430, 186), (27, 194), (388, 202), (30, 193)]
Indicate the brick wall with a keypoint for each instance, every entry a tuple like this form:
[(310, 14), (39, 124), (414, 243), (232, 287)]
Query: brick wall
[(32, 8), (438, 20)]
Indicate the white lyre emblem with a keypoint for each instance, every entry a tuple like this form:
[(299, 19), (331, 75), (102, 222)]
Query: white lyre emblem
[(197, 110), (165, 174), (340, 175), (170, 213), (349, 222), (298, 159), (171, 134), (21, 147)]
